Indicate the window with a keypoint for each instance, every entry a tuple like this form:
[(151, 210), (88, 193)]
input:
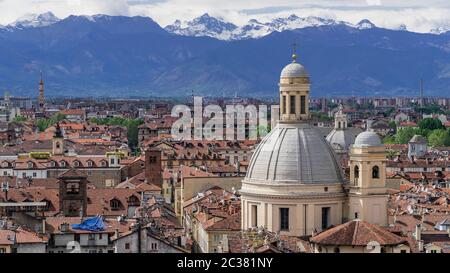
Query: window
[(52, 163), (63, 164), (292, 104), (325, 189), (30, 165), (356, 171), (127, 245), (115, 204), (152, 160), (303, 104), (154, 246), (403, 251), (89, 163), (337, 250), (113, 161), (375, 172), (73, 188), (433, 251), (284, 105), (34, 174), (76, 163), (284, 218), (103, 163), (91, 237), (254, 215), (5, 173), (325, 218)]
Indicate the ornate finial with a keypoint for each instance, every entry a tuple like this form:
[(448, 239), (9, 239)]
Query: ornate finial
[(294, 52)]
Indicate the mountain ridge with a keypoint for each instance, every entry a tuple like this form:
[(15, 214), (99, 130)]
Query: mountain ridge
[(134, 56)]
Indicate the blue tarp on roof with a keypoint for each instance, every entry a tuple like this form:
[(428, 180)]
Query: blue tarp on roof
[(91, 224)]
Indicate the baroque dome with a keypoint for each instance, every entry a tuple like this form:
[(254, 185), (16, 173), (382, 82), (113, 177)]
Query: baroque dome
[(294, 70), (368, 139), (294, 153), (341, 139)]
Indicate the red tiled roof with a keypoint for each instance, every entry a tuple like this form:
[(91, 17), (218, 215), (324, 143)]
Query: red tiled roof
[(357, 233)]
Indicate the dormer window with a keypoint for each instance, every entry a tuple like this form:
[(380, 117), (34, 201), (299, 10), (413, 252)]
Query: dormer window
[(76, 163), (30, 165), (52, 163), (133, 200), (63, 164), (115, 204), (5, 164), (90, 163), (103, 163)]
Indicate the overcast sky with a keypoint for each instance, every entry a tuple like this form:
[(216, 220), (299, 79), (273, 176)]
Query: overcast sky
[(418, 15)]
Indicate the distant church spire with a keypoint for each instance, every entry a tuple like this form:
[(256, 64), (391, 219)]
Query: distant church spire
[(41, 95)]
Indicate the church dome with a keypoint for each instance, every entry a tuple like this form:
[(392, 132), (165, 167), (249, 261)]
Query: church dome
[(341, 139), (294, 153), (294, 70), (367, 139)]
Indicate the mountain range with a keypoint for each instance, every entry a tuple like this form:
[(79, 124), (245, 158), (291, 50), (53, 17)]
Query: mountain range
[(122, 56)]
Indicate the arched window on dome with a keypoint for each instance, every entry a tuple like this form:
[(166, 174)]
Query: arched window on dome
[(375, 172)]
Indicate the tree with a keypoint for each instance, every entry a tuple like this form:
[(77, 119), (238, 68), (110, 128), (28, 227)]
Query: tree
[(43, 124), (439, 138), (389, 140), (431, 124), (19, 119), (404, 135)]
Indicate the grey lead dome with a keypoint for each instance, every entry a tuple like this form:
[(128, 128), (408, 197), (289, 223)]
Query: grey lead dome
[(367, 138), (294, 70), (294, 153)]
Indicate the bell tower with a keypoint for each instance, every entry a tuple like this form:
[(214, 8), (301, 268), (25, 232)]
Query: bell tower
[(41, 95), (340, 119), (368, 192), (58, 141), (294, 92), (73, 193), (153, 166)]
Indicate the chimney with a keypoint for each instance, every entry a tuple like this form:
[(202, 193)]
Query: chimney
[(64, 227)]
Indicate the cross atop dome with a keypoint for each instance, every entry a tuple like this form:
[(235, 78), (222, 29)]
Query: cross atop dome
[(294, 52)]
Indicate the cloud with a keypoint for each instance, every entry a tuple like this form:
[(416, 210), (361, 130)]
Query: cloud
[(418, 15)]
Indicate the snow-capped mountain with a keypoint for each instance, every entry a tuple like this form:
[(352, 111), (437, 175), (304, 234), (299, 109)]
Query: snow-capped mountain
[(206, 25), (34, 20), (440, 30), (365, 24)]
